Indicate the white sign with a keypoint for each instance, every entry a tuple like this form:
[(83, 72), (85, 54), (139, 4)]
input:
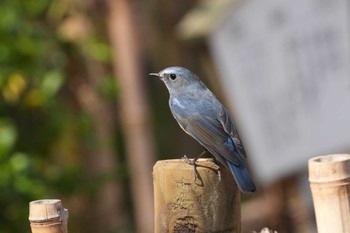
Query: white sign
[(285, 70)]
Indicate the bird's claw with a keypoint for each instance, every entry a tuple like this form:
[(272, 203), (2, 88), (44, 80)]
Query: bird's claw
[(219, 174), (217, 168), (189, 161), (192, 162)]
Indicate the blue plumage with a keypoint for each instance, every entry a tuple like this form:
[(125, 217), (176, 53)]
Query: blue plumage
[(240, 172), (203, 117)]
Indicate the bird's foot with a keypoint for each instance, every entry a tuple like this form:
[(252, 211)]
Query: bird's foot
[(217, 167), (219, 174), (189, 161)]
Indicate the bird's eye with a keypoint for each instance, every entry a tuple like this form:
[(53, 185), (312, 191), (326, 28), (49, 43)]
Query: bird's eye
[(173, 76)]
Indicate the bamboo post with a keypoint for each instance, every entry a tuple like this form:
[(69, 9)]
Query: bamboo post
[(186, 201), (48, 216), (329, 178)]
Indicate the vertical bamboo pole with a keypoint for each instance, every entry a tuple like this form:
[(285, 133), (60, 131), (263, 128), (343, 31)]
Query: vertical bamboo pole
[(329, 178), (48, 216), (134, 108), (186, 201)]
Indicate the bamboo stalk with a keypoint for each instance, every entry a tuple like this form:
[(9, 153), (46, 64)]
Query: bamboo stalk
[(329, 178), (186, 201), (134, 108), (48, 216)]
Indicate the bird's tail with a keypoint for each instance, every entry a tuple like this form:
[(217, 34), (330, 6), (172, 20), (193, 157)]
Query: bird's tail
[(242, 177)]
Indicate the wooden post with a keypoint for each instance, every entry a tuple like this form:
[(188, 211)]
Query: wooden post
[(329, 178), (48, 216), (186, 201)]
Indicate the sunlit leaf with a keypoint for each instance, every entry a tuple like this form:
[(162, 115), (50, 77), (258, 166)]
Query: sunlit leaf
[(75, 28), (8, 135), (51, 83), (19, 162), (34, 98), (14, 87)]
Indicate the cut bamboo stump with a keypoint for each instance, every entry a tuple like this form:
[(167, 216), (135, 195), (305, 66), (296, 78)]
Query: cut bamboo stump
[(329, 178), (48, 216), (186, 201)]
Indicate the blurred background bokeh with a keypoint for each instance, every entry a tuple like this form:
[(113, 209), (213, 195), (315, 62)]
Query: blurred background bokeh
[(81, 121)]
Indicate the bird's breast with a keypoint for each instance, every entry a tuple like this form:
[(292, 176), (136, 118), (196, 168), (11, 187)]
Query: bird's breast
[(175, 102)]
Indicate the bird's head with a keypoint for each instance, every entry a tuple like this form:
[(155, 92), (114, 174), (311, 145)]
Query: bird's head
[(177, 78)]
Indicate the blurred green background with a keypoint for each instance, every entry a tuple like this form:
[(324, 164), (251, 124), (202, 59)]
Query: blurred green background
[(42, 129), (59, 111)]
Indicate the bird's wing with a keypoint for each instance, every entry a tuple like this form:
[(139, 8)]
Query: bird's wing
[(230, 129), (208, 131)]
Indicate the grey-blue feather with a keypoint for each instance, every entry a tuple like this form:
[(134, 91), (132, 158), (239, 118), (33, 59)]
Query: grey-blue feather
[(202, 116)]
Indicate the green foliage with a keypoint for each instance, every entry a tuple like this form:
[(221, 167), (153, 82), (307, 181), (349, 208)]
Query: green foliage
[(99, 51), (8, 135), (27, 83), (38, 125), (107, 88)]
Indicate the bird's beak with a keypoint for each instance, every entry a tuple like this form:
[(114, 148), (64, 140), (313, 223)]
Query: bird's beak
[(155, 74)]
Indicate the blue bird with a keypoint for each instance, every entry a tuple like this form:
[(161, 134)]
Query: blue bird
[(201, 115)]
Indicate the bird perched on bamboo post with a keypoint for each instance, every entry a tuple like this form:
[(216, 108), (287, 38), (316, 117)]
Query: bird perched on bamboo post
[(201, 115)]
